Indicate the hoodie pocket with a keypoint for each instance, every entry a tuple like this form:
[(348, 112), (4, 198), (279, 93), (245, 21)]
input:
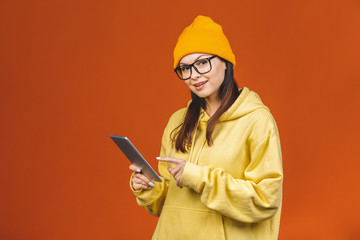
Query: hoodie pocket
[(183, 223)]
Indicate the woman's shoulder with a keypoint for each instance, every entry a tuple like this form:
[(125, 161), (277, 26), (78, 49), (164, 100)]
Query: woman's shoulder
[(178, 116), (176, 119)]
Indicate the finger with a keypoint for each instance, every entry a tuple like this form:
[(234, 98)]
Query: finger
[(140, 182), (136, 180), (172, 171), (170, 160), (178, 177), (145, 186), (178, 168), (138, 187), (144, 179), (178, 174), (134, 168)]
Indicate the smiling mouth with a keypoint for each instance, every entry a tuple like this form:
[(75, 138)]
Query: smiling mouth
[(199, 84)]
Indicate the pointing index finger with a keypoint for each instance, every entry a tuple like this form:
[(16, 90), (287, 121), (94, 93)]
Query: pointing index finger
[(167, 159)]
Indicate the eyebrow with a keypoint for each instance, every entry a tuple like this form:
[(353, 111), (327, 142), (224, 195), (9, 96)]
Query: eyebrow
[(182, 64)]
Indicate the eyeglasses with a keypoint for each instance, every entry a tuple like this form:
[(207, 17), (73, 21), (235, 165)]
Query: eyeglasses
[(201, 66)]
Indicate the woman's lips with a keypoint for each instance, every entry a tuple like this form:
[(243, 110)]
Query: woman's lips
[(200, 85)]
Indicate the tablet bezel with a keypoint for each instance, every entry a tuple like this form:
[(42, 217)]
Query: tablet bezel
[(135, 157)]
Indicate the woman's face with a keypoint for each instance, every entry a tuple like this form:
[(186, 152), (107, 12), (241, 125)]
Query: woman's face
[(205, 85)]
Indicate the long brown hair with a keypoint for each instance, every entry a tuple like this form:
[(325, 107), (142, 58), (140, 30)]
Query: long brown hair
[(228, 93)]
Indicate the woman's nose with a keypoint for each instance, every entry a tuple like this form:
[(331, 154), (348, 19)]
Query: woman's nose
[(194, 73)]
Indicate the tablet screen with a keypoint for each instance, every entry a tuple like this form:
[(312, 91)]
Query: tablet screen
[(135, 157)]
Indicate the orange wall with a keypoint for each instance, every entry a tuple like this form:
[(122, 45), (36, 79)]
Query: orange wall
[(74, 72)]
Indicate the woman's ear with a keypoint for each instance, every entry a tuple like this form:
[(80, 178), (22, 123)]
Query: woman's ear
[(224, 63)]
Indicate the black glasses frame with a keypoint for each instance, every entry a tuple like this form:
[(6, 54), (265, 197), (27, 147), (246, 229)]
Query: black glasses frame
[(193, 65)]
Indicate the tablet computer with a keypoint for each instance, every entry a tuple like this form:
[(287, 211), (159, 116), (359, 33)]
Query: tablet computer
[(135, 157)]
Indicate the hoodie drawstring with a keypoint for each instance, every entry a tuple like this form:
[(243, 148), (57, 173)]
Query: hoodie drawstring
[(198, 154), (193, 143)]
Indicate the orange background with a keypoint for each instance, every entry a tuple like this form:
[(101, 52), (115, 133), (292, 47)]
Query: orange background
[(74, 72)]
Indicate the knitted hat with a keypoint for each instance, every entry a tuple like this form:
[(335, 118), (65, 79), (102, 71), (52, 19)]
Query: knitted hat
[(203, 36)]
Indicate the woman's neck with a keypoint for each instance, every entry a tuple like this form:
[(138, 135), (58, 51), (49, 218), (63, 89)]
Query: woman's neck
[(212, 105)]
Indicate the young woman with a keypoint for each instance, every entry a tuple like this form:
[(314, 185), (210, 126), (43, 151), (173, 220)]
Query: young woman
[(220, 156)]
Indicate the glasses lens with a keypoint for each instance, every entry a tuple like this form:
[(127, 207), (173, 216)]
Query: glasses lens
[(184, 72), (203, 65)]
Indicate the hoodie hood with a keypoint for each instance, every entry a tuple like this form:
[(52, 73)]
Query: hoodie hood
[(247, 102)]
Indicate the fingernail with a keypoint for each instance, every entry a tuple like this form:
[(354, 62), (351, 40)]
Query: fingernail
[(158, 158), (151, 184), (138, 170)]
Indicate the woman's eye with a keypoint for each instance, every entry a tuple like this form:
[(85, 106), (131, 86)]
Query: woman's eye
[(202, 62), (185, 68)]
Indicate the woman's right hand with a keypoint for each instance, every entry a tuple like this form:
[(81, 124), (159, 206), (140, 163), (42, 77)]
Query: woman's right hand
[(139, 181)]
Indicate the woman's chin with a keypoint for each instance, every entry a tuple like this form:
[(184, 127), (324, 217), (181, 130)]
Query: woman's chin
[(201, 95)]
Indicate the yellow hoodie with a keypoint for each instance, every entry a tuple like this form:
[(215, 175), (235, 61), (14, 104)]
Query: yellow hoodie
[(232, 189)]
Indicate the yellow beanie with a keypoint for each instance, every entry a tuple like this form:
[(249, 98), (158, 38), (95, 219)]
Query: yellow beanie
[(203, 36)]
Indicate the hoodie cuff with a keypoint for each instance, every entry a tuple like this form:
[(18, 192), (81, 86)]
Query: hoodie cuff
[(146, 197), (192, 176)]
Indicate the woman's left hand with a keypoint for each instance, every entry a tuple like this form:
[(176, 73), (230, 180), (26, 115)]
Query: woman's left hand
[(177, 170)]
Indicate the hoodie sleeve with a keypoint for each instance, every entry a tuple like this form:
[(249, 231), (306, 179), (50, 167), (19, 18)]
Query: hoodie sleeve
[(254, 198), (154, 198)]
